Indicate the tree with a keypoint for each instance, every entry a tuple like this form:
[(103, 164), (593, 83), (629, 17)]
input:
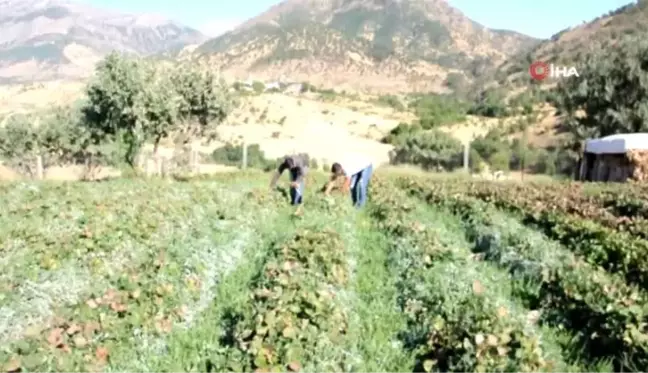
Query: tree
[(456, 82), (488, 145), (20, 144), (158, 105), (430, 150), (55, 136), (258, 87), (501, 160), (114, 108), (489, 103), (232, 155), (399, 134), (438, 110), (133, 101), (610, 95), (204, 101)]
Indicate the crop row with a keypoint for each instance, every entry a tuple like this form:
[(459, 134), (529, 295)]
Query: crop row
[(454, 322), (608, 314), (107, 277), (621, 200), (616, 251), (293, 306), (616, 211)]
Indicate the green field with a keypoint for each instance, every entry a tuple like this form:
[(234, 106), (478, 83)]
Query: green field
[(218, 275)]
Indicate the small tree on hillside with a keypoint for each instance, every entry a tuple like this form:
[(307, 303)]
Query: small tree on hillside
[(204, 101), (258, 87), (612, 91), (430, 150)]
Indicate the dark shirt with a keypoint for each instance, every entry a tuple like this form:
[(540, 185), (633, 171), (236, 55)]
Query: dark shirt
[(299, 169)]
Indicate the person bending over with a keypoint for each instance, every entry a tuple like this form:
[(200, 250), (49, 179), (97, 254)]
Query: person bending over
[(297, 166), (356, 172)]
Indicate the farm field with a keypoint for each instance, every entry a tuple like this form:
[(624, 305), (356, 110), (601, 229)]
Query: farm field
[(216, 274)]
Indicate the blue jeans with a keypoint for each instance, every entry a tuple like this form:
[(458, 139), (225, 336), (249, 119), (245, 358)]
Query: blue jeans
[(297, 194), (359, 185)]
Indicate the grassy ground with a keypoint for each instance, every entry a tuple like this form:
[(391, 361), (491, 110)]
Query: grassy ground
[(218, 275)]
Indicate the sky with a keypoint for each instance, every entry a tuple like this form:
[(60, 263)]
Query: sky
[(537, 19)]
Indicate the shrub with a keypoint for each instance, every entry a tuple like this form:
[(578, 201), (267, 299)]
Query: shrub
[(433, 150), (391, 101), (490, 103), (438, 110), (258, 87), (400, 133), (232, 155)]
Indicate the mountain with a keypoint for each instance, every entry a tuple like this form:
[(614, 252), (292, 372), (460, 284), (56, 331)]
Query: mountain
[(383, 45), (60, 39), (569, 46)]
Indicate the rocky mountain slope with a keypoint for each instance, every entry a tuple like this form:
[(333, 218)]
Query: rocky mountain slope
[(384, 45), (568, 46), (60, 39)]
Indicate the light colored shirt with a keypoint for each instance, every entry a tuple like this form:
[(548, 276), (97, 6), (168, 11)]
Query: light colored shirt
[(353, 164)]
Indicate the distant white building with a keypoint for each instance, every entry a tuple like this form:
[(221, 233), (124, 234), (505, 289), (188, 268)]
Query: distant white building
[(272, 85), (294, 88)]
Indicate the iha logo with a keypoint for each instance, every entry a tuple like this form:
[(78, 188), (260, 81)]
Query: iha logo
[(540, 70)]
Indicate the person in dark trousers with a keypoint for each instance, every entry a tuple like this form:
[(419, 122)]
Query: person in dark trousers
[(356, 172), (297, 166)]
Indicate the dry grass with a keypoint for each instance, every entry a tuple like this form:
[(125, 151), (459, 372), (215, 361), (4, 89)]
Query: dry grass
[(27, 97), (324, 127)]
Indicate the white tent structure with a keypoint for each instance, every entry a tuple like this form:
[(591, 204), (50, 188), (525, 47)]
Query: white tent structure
[(617, 144), (613, 158)]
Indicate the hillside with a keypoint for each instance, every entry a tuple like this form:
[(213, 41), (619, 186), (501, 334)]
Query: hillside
[(568, 46), (387, 46), (60, 39)]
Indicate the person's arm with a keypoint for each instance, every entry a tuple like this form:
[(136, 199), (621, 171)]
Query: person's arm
[(328, 187), (277, 174), (347, 185)]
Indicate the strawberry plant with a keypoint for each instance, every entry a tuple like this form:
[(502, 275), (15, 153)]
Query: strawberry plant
[(293, 305), (617, 251), (461, 328), (602, 308)]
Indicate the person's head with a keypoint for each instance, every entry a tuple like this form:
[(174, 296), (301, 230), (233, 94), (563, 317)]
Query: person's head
[(290, 162), (336, 170)]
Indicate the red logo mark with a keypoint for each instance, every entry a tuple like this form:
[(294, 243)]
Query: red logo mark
[(539, 70)]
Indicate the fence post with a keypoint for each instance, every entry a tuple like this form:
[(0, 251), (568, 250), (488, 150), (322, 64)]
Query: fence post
[(466, 155), (523, 152), (164, 167), (195, 165), (158, 165), (39, 167), (245, 155)]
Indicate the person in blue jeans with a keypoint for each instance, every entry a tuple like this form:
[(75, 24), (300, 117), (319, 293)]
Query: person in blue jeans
[(357, 172), (297, 166)]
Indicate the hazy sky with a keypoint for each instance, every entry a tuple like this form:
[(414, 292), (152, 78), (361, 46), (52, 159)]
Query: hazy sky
[(540, 19)]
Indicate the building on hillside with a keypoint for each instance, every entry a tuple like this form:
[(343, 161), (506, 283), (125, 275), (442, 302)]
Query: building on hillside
[(617, 158), (293, 88), (243, 86)]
